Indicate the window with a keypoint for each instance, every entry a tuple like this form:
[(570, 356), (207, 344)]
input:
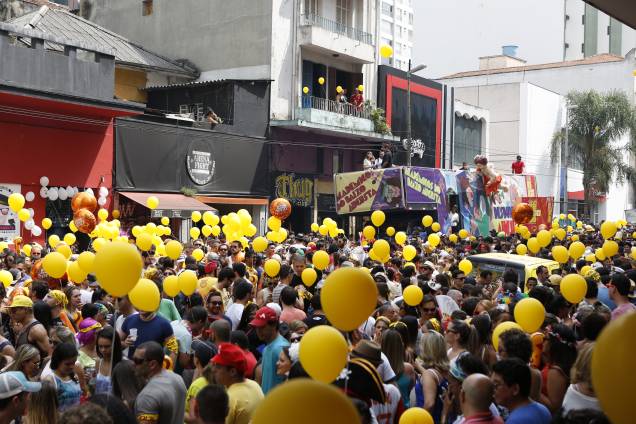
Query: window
[(410, 19), (311, 7), (195, 110), (146, 7), (467, 139), (386, 27), (410, 35), (342, 12), (386, 41), (387, 9)]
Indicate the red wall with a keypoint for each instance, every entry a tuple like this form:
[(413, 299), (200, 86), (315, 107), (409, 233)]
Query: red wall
[(66, 155)]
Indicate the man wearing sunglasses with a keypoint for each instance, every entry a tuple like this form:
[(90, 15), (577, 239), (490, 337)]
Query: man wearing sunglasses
[(458, 278)]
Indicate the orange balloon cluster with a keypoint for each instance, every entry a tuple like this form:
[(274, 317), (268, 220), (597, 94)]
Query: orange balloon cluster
[(83, 205), (84, 200), (280, 208), (522, 213)]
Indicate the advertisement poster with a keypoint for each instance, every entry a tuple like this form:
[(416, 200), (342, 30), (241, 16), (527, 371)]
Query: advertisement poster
[(543, 208), (474, 206), (427, 186), (511, 192), (9, 222), (369, 190), (298, 189)]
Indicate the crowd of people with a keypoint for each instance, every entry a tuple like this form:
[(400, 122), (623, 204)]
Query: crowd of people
[(71, 353)]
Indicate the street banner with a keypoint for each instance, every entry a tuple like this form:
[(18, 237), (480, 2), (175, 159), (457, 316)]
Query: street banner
[(428, 186), (9, 222), (543, 208), (369, 190), (511, 192), (474, 205)]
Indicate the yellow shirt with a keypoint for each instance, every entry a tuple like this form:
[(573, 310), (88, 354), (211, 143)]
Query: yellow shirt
[(244, 399), (194, 389)]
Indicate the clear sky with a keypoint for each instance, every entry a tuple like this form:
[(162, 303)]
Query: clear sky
[(450, 35)]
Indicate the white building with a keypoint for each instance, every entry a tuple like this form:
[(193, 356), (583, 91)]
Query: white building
[(527, 106), (396, 30)]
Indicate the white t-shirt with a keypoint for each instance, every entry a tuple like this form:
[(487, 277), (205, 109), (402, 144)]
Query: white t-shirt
[(385, 412), (385, 370), (575, 400), (86, 296), (234, 313), (183, 336)]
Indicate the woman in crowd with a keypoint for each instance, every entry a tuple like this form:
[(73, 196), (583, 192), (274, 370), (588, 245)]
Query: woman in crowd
[(27, 359), (43, 405), (72, 308), (559, 354), (66, 384), (433, 368), (126, 385), (461, 337), (580, 394), (87, 339), (110, 354), (395, 351)]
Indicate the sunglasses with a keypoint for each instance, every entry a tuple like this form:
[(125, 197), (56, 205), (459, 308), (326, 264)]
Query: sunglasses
[(216, 303), (138, 361)]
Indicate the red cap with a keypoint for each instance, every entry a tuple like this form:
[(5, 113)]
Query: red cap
[(264, 316), (231, 355), (210, 267)]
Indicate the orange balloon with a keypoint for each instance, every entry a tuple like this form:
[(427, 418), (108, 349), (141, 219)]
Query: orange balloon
[(280, 208), (522, 213), (84, 200), (84, 220)]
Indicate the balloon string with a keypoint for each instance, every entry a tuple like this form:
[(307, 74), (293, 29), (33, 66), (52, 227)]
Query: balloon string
[(346, 387)]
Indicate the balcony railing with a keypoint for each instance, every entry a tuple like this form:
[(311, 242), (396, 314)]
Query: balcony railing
[(338, 28), (311, 102)]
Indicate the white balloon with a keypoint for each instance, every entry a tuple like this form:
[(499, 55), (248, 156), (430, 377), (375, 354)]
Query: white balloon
[(31, 212), (29, 224), (53, 194), (103, 192), (75, 190), (89, 191), (62, 194), (44, 181), (101, 201), (44, 192), (69, 191), (29, 196), (36, 231)]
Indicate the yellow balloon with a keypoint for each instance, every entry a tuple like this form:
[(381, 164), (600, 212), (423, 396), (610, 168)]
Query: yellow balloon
[(314, 227), (585, 270), (610, 247), (251, 230), (436, 227), (361, 88), (613, 374), (427, 221), (575, 237), (206, 230), (98, 244), (16, 202), (288, 401), (544, 238), (377, 218), (382, 248), (198, 254), (309, 276), (64, 249), (339, 89), (323, 230), (433, 240), (590, 258), (559, 233), (416, 415), (533, 245), (195, 232), (321, 260), (54, 264), (521, 249), (608, 229), (368, 232), (144, 242), (152, 202), (85, 261), (348, 298), (573, 288), (463, 233), (273, 223), (306, 90), (102, 214), (386, 51), (75, 272), (466, 266), (54, 240), (529, 314), (173, 249), (323, 353), (560, 254), (145, 296), (321, 80), (259, 244), (46, 223), (26, 249), (24, 215), (70, 239), (205, 285), (576, 250), (6, 278), (600, 254), (272, 267), (413, 295), (409, 252), (400, 238), (196, 216), (187, 282), (390, 231), (117, 267), (502, 328), (171, 285), (216, 230)]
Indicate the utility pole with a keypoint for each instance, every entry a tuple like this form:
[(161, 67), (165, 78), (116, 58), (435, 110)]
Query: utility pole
[(409, 139)]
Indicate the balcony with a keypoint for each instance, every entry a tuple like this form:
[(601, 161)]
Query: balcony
[(330, 37), (326, 116)]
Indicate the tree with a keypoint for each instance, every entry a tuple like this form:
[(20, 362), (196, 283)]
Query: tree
[(596, 124)]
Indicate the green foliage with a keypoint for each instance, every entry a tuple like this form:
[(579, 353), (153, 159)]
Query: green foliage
[(188, 191), (596, 122), (378, 118)]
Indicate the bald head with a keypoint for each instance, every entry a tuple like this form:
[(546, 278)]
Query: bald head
[(478, 393), (221, 329)]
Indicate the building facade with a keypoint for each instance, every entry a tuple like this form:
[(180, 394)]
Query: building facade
[(396, 30)]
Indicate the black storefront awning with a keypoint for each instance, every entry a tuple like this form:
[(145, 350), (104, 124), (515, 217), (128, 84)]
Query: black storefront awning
[(171, 205)]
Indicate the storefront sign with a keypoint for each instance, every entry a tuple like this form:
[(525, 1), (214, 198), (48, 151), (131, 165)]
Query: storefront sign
[(369, 190), (299, 190), (543, 208), (200, 163), (9, 222)]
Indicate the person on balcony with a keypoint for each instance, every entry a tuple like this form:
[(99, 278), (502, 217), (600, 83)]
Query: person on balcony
[(369, 161), (387, 157), (357, 100), (518, 166)]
